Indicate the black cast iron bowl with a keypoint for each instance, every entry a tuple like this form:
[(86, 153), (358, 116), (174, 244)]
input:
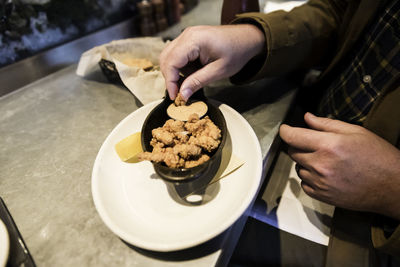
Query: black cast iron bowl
[(158, 116)]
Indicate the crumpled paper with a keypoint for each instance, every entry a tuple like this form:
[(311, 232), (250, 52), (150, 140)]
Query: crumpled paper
[(147, 86)]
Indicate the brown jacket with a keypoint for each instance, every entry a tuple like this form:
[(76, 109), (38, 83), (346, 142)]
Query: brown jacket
[(300, 39)]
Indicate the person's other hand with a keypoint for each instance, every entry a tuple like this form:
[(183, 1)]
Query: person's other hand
[(222, 50), (346, 165)]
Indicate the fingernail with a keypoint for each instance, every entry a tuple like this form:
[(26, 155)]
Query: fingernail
[(310, 114), (170, 95), (186, 93)]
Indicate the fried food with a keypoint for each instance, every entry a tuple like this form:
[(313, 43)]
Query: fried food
[(183, 144), (163, 136), (205, 142), (193, 163), (204, 132), (141, 63), (179, 101), (187, 151), (174, 126)]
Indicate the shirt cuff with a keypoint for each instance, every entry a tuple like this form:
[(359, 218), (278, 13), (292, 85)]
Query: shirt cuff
[(278, 51)]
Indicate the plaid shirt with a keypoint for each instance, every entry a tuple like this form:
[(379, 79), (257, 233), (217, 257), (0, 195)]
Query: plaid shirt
[(376, 59)]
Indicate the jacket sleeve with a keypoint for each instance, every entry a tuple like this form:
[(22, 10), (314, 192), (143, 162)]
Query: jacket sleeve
[(384, 121), (299, 39), (388, 243)]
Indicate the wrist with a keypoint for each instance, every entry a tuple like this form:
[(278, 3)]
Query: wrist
[(259, 40), (255, 39)]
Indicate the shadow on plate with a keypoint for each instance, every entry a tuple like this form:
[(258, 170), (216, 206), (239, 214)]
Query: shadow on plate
[(198, 191), (205, 188), (201, 192)]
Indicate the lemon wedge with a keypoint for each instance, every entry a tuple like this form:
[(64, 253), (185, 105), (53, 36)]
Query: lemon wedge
[(129, 148)]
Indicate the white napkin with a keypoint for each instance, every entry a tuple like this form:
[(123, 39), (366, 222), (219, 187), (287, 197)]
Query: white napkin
[(296, 212), (147, 86)]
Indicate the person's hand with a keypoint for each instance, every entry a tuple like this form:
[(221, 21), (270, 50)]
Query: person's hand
[(346, 165), (222, 50)]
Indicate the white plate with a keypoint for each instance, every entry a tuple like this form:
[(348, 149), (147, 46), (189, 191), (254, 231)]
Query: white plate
[(136, 205), (4, 244)]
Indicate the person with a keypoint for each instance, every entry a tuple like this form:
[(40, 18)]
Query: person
[(349, 154)]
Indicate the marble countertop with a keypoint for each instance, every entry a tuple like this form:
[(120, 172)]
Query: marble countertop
[(50, 133)]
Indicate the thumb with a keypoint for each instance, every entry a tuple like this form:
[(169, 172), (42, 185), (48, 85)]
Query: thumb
[(209, 73), (327, 124)]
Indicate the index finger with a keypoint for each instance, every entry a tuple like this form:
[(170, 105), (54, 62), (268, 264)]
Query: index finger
[(171, 82), (301, 138), (172, 59), (169, 71)]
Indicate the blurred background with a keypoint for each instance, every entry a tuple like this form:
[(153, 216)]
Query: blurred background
[(31, 26)]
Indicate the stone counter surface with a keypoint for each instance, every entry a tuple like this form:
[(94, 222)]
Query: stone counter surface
[(50, 134)]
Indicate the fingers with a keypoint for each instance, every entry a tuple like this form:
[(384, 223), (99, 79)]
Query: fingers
[(305, 174), (207, 74), (308, 189), (301, 138), (173, 58), (172, 61), (312, 139), (328, 125), (307, 179), (172, 83), (301, 157), (222, 50), (311, 183)]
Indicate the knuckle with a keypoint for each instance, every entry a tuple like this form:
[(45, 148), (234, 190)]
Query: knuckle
[(283, 132), (335, 146), (223, 69), (193, 53), (197, 83), (188, 30), (288, 135), (323, 169), (191, 31), (328, 146), (308, 189), (359, 129), (326, 121), (322, 185)]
